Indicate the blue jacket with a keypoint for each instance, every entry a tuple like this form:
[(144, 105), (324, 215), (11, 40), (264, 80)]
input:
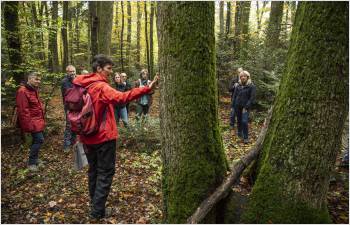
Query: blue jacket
[(244, 96)]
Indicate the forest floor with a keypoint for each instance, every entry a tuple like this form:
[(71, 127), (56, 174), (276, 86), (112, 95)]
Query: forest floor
[(59, 194)]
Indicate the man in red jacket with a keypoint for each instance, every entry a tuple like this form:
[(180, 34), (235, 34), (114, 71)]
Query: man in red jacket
[(31, 116), (101, 147)]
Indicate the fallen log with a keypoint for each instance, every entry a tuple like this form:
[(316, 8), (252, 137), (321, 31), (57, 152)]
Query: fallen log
[(236, 171)]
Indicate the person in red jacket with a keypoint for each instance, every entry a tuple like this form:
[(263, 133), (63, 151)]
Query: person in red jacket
[(31, 116), (101, 147)]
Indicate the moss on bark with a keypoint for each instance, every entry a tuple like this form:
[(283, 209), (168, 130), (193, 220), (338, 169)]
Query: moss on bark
[(193, 157), (304, 136)]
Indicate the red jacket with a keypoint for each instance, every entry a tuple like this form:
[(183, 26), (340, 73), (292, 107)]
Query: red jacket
[(29, 109), (105, 97)]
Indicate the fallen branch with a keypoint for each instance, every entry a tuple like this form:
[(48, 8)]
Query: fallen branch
[(236, 171)]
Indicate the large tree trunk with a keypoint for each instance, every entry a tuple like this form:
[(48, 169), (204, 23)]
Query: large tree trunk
[(93, 28), (128, 37), (151, 55), (238, 15), (38, 34), (304, 136), (244, 28), (105, 15), (146, 37), (194, 162), (65, 35), (274, 28), (53, 48), (70, 32), (138, 37), (11, 22), (77, 29), (122, 37)]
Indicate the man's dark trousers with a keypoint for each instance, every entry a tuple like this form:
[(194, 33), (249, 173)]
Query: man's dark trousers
[(101, 158)]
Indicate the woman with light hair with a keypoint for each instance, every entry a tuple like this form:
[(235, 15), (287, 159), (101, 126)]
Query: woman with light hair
[(243, 98)]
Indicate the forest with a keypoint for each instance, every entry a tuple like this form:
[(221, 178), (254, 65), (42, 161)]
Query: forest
[(197, 156)]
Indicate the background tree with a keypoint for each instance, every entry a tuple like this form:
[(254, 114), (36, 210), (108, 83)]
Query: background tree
[(146, 37), (221, 21), (151, 46), (244, 28), (192, 152), (304, 135), (65, 35), (122, 36), (53, 48), (228, 20), (93, 28), (104, 13), (274, 28), (128, 38), (138, 37), (11, 21)]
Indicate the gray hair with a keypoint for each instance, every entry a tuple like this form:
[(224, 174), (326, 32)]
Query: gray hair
[(33, 74)]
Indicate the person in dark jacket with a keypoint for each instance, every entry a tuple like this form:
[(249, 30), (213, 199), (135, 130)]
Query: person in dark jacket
[(120, 110), (31, 116), (234, 83), (243, 98), (101, 147), (69, 136)]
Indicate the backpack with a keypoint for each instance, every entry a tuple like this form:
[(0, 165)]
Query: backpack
[(81, 113)]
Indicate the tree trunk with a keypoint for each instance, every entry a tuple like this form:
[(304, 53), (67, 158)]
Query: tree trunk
[(221, 19), (228, 19), (244, 28), (151, 72), (238, 16), (194, 162), (128, 37), (11, 21), (304, 136), (77, 29), (53, 48), (38, 34), (104, 13), (138, 37), (64, 31), (274, 28), (70, 32), (122, 37), (146, 37), (293, 8), (93, 28)]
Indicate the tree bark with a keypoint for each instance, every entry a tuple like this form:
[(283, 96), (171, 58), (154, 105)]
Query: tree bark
[(228, 19), (194, 162), (244, 28), (104, 13), (64, 31), (304, 136), (53, 48), (93, 29), (146, 37), (221, 19), (138, 37), (238, 16), (274, 28), (151, 51), (11, 21), (38, 34)]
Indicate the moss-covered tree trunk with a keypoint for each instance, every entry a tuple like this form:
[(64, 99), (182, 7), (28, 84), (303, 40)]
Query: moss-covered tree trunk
[(146, 37), (304, 135), (122, 37), (11, 21), (274, 28), (193, 158), (238, 12), (221, 19), (105, 15), (228, 19)]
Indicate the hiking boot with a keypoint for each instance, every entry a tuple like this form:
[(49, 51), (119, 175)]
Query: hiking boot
[(246, 141), (33, 168), (108, 213), (40, 163)]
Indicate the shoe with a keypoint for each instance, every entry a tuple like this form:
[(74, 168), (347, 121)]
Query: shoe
[(108, 213), (246, 141), (33, 168), (40, 163)]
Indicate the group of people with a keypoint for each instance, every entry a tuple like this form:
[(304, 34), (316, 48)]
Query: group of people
[(100, 148), (243, 93)]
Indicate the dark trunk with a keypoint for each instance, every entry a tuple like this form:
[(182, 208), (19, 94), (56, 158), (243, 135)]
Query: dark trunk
[(64, 31), (146, 37), (122, 37), (94, 28), (151, 58), (128, 36), (138, 37), (53, 48)]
